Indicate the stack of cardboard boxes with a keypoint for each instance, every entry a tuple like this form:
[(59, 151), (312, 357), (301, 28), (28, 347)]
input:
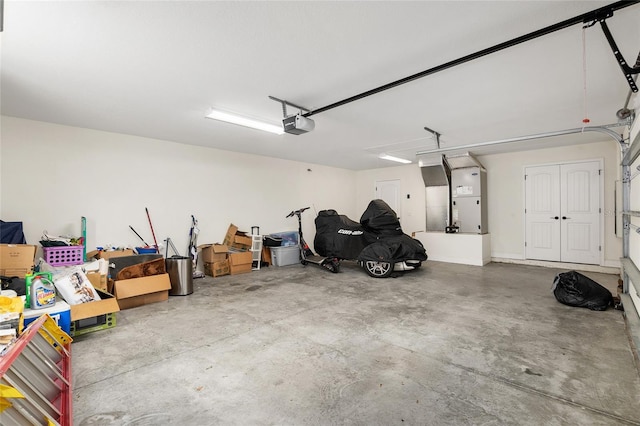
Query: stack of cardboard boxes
[(17, 260), (215, 259), (233, 256)]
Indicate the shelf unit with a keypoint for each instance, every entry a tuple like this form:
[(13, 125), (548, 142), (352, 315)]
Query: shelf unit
[(35, 377), (256, 251)]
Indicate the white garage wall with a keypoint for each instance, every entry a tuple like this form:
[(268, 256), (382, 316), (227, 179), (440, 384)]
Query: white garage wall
[(52, 175), (505, 194)]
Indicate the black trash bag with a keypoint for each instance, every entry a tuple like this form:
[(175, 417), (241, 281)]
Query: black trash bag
[(574, 289)]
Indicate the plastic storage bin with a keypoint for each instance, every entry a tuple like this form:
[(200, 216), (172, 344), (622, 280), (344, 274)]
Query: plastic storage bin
[(283, 256), (63, 255)]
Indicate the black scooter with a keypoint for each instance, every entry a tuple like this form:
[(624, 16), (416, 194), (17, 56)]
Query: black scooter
[(307, 255)]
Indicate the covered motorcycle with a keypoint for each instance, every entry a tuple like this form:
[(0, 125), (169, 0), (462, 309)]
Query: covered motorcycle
[(377, 242)]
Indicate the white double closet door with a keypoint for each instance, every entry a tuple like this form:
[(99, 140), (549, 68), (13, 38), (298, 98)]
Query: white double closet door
[(562, 212)]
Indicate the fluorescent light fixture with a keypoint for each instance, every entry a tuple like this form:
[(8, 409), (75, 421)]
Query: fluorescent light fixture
[(228, 117), (392, 158)]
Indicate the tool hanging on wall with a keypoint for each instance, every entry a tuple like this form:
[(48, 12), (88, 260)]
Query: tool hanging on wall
[(151, 226)]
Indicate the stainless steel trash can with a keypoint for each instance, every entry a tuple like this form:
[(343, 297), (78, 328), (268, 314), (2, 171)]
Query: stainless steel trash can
[(180, 273)]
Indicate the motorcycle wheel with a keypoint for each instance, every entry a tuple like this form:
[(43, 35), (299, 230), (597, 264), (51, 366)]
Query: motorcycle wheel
[(378, 269)]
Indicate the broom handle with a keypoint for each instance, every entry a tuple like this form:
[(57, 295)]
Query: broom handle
[(151, 226), (141, 239)]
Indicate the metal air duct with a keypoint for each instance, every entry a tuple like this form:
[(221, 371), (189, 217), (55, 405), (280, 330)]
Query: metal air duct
[(437, 181), (435, 170)]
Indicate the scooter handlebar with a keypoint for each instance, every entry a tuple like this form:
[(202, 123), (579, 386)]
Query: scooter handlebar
[(295, 212)]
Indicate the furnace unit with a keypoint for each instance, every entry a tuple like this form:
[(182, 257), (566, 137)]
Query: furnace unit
[(456, 191), (468, 204)]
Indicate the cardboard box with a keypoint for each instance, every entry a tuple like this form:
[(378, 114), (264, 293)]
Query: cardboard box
[(101, 254), (16, 260), (98, 281), (240, 262), (108, 304), (217, 269), (141, 291), (266, 256), (212, 253), (237, 239)]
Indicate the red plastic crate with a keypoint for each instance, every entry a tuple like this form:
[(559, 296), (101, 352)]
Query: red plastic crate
[(63, 255)]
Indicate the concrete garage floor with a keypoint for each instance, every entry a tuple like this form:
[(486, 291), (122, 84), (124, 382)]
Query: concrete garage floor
[(445, 345)]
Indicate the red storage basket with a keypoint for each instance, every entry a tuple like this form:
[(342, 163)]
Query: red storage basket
[(63, 255)]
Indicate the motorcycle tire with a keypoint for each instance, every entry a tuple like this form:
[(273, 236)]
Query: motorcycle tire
[(377, 269)]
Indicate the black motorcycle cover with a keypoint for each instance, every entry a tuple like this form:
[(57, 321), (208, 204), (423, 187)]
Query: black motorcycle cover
[(338, 236), (574, 289), (381, 218), (394, 249)]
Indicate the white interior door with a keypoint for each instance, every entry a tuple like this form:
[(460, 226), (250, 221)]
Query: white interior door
[(389, 192), (580, 213), (562, 212), (542, 213)]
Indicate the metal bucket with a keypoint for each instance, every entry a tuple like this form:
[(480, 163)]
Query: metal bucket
[(180, 270)]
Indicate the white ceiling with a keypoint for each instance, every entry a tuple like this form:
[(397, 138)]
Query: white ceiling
[(154, 69)]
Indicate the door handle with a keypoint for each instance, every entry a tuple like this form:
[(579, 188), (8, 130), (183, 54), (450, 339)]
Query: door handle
[(565, 218), (554, 217)]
